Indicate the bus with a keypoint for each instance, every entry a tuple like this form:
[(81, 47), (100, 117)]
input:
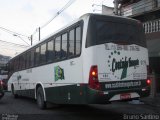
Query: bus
[(96, 59)]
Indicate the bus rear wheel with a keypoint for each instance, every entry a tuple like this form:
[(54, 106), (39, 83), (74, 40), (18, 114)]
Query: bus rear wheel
[(40, 98)]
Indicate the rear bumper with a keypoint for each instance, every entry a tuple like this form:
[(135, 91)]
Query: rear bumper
[(104, 97)]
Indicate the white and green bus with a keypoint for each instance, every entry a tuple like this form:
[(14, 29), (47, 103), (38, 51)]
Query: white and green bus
[(96, 59)]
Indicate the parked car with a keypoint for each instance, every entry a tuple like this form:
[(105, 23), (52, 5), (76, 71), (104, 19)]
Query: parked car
[(4, 84), (3, 78), (1, 89)]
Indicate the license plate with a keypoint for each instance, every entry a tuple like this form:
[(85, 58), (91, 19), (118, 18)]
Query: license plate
[(125, 96)]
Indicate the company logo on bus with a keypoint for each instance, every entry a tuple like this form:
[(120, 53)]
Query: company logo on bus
[(122, 63), (59, 73)]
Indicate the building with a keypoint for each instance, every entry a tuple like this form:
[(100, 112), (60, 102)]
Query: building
[(148, 12), (4, 60), (107, 10)]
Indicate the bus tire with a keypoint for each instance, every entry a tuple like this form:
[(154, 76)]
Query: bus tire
[(40, 98), (13, 92)]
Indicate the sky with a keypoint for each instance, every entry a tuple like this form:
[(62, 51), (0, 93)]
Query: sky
[(25, 16)]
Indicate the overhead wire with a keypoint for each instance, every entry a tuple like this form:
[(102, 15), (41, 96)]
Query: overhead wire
[(12, 32), (10, 48), (58, 13), (19, 34), (4, 47), (13, 44), (15, 34)]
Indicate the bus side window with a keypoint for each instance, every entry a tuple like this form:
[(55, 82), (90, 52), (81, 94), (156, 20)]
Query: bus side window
[(28, 56), (78, 40), (18, 65), (20, 62), (36, 56), (32, 58), (12, 66), (23, 61), (64, 45), (50, 51), (43, 54), (71, 43), (58, 48)]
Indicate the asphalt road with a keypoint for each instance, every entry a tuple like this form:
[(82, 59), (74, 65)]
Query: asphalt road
[(26, 109)]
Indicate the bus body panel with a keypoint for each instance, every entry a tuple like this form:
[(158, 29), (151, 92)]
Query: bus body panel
[(115, 64), (71, 74), (114, 84)]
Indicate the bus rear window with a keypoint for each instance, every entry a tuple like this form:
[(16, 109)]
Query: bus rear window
[(103, 31)]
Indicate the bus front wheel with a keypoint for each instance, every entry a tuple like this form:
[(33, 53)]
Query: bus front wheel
[(40, 98)]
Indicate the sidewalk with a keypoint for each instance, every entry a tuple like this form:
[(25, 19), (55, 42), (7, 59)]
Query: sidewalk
[(152, 101)]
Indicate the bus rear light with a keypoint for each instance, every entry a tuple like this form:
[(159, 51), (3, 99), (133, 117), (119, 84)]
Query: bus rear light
[(148, 81), (93, 73), (149, 71), (1, 82), (93, 78)]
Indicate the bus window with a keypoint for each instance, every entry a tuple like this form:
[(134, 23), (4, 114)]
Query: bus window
[(12, 66), (57, 48), (64, 46), (32, 58), (71, 43), (23, 61), (16, 63), (103, 31), (36, 55), (50, 51), (28, 55), (43, 54), (20, 62), (78, 40)]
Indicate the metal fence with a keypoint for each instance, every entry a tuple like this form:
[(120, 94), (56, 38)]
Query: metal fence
[(152, 26)]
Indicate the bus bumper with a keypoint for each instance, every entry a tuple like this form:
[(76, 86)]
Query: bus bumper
[(105, 97)]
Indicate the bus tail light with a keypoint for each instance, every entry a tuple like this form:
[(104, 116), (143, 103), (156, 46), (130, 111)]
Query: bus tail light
[(1, 82), (148, 81), (149, 72), (93, 78)]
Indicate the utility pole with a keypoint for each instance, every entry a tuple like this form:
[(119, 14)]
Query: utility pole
[(115, 7), (39, 29), (31, 40), (58, 13)]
